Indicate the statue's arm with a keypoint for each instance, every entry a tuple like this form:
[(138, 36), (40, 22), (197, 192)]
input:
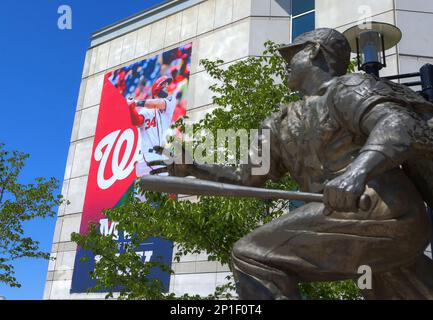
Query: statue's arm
[(217, 172), (390, 132), (264, 161)]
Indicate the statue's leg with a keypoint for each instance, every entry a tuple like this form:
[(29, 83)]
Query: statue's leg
[(269, 263), (411, 282), (306, 245)]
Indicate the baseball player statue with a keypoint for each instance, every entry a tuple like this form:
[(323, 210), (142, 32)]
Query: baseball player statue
[(350, 135), (153, 118)]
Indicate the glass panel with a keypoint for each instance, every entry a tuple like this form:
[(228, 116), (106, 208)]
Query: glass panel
[(303, 24), (301, 6), (370, 45)]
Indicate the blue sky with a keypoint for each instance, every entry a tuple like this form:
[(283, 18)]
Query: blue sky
[(40, 76)]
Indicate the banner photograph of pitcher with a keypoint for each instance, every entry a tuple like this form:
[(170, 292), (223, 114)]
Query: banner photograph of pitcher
[(139, 103)]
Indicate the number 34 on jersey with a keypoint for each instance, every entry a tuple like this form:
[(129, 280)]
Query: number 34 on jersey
[(148, 123)]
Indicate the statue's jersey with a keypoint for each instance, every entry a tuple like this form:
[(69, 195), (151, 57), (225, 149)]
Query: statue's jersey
[(313, 146), (317, 138)]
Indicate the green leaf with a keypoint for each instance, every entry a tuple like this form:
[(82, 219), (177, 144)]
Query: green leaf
[(20, 203)]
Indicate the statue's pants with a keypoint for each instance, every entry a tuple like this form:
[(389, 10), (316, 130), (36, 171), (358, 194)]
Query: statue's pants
[(306, 245)]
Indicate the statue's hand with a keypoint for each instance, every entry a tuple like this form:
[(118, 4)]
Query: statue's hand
[(343, 192), (182, 169)]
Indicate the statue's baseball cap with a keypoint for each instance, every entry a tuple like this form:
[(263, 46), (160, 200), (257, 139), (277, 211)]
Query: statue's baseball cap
[(333, 43)]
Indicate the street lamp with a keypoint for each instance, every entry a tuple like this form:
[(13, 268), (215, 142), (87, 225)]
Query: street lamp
[(369, 40)]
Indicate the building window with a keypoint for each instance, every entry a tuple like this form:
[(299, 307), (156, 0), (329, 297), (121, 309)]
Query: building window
[(303, 17), (302, 24), (302, 6)]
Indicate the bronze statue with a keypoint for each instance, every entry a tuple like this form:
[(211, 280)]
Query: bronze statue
[(351, 134)]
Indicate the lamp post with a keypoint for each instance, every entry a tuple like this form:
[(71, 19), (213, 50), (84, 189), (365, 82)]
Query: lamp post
[(369, 41)]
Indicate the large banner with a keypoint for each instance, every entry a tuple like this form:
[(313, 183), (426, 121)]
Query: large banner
[(125, 137)]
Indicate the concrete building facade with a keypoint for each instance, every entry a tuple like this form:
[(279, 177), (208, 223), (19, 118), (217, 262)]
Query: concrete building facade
[(230, 30)]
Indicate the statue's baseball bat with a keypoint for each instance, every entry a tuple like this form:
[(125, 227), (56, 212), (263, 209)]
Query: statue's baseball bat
[(199, 187)]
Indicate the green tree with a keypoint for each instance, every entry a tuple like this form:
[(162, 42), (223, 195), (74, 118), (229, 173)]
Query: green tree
[(20, 203), (246, 93)]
